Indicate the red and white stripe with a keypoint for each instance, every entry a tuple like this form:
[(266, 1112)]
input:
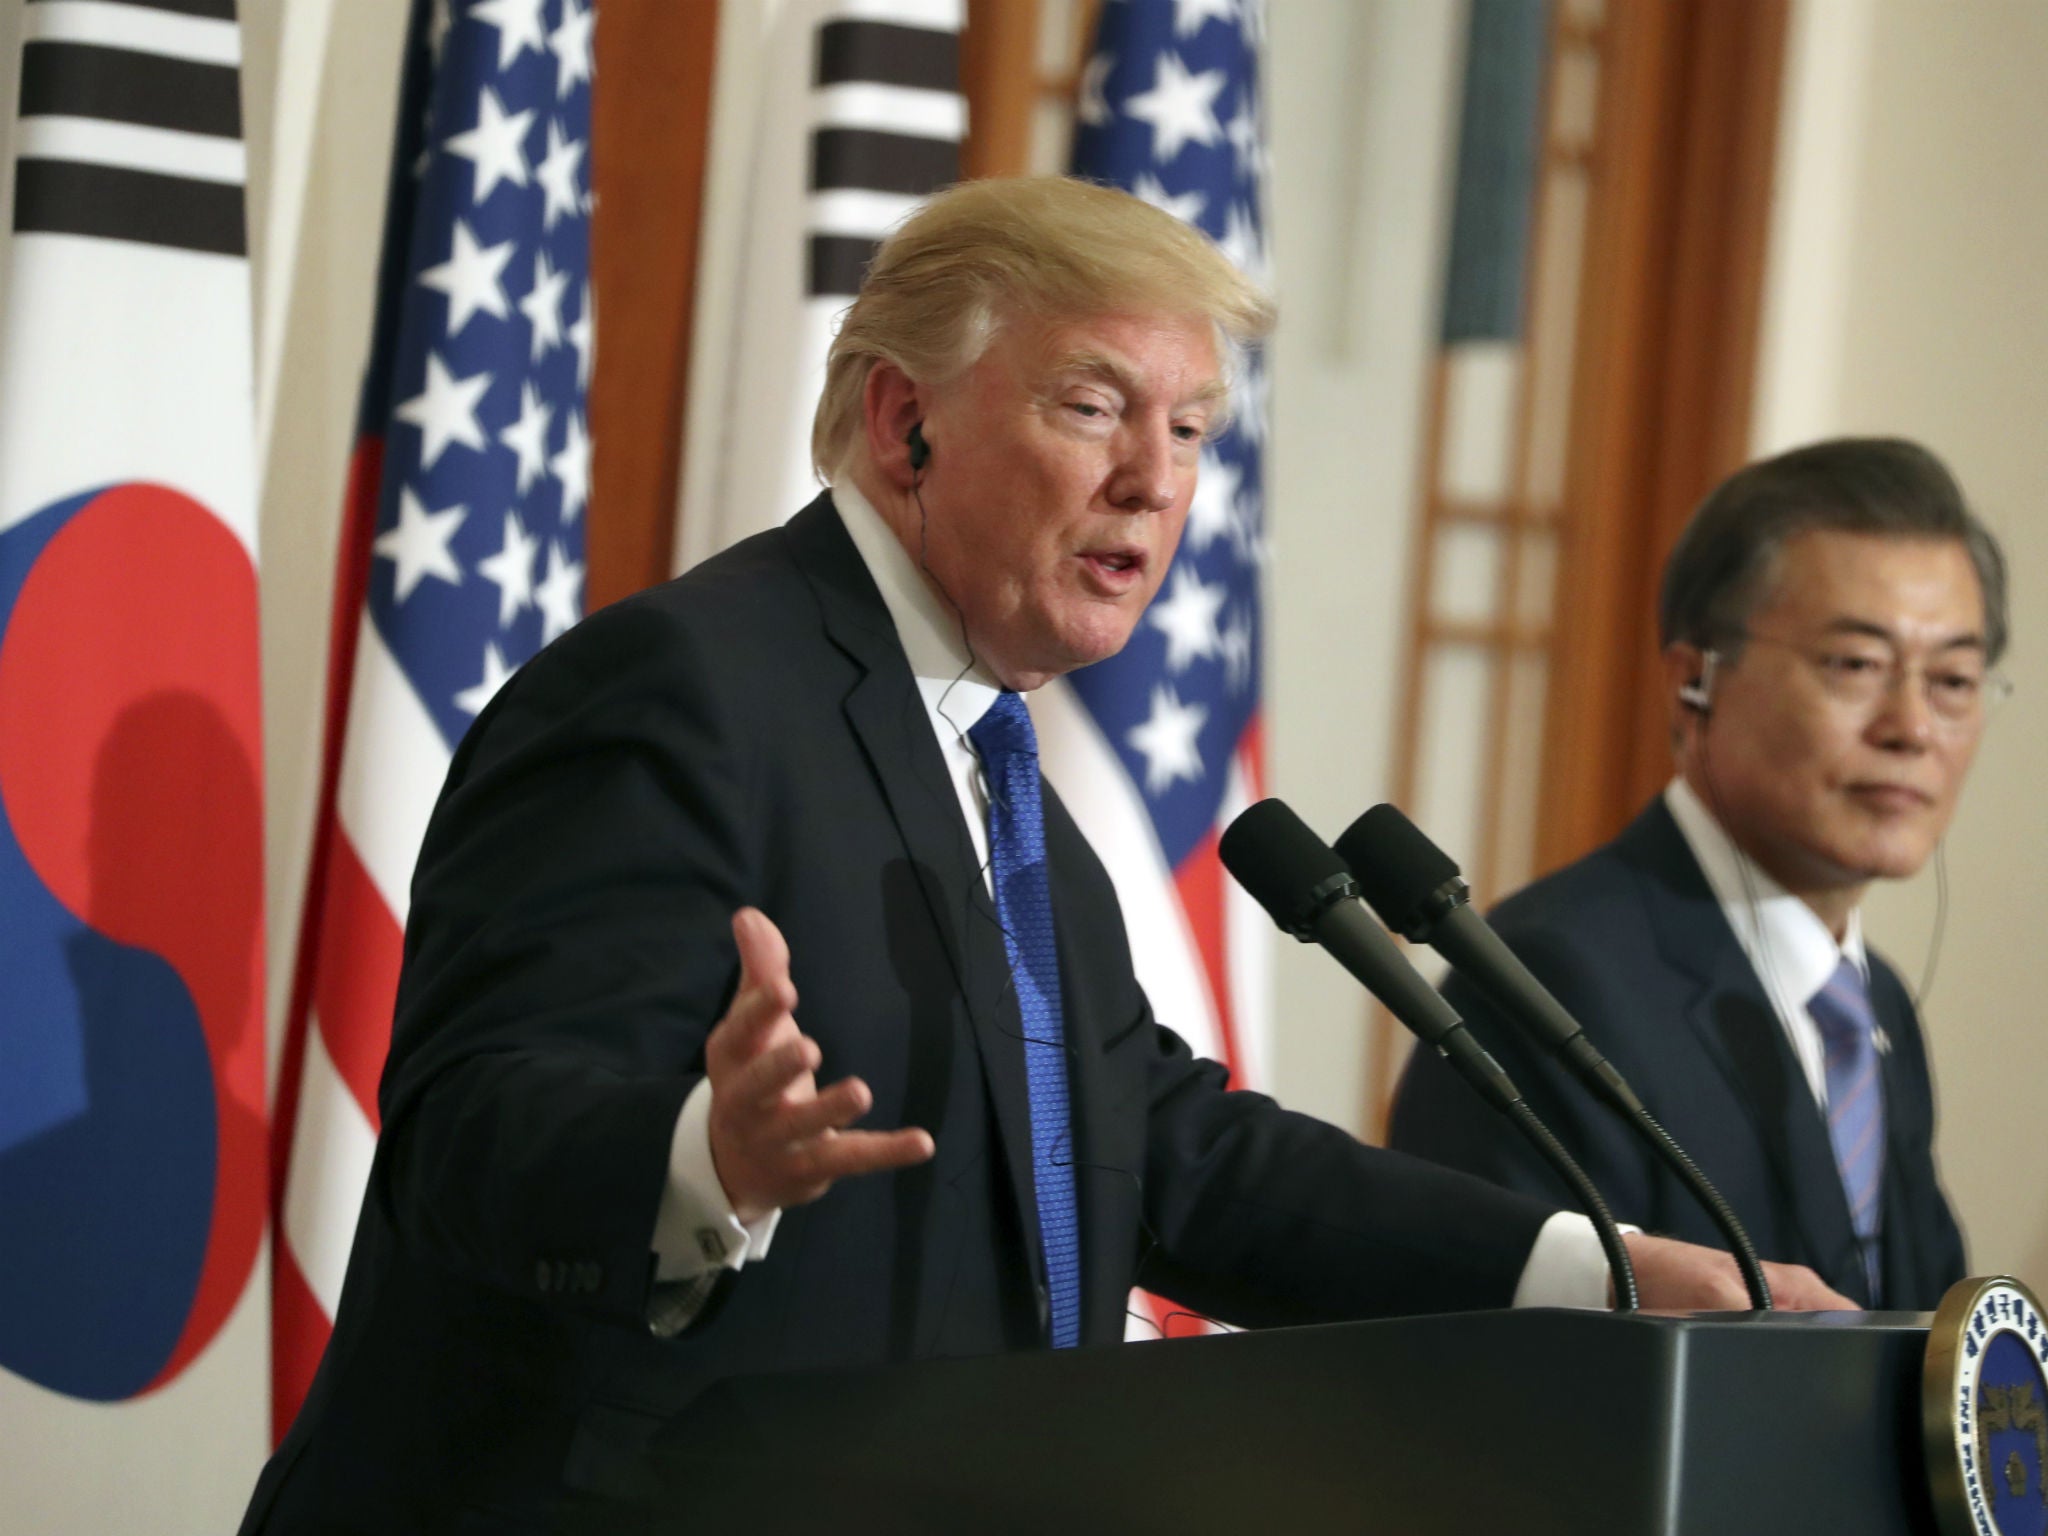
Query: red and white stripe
[(386, 761), (1201, 947)]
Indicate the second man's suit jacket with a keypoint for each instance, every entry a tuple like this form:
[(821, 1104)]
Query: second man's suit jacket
[(751, 734), (1634, 944)]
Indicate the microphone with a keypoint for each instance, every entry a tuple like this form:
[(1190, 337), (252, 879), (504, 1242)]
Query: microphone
[(1418, 891), (1306, 889)]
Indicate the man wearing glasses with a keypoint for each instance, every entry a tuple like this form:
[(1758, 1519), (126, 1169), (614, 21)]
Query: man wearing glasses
[(1830, 620)]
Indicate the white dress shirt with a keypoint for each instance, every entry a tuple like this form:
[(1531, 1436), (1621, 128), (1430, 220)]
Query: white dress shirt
[(1789, 947), (696, 1232)]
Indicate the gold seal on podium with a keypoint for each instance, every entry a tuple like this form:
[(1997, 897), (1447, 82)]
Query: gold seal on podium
[(1984, 1410)]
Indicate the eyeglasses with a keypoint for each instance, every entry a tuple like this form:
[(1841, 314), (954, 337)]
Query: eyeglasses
[(1862, 672)]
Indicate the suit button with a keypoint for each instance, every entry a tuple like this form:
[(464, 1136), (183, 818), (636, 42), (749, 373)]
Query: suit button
[(543, 1277), (589, 1277)]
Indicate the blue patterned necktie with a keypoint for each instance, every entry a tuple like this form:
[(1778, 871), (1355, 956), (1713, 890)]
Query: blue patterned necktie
[(1016, 828), (1855, 1104)]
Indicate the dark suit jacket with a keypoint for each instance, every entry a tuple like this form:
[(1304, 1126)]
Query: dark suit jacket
[(1633, 942), (751, 733)]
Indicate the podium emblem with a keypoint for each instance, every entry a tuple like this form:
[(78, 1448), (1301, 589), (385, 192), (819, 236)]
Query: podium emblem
[(1984, 1401)]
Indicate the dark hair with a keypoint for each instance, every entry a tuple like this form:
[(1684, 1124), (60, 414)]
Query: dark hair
[(1883, 486)]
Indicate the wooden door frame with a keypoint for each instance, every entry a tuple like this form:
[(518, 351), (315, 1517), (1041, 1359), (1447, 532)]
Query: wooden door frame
[(1665, 376)]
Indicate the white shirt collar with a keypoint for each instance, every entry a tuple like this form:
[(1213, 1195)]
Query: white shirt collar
[(1788, 946), (955, 687)]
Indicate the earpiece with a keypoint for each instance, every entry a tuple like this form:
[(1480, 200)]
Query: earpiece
[(920, 450), (1699, 693)]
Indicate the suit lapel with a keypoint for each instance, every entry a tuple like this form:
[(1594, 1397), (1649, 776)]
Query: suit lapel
[(1732, 1017), (889, 720)]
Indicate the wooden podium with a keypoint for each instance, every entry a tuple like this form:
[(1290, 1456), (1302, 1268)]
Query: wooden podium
[(1530, 1423)]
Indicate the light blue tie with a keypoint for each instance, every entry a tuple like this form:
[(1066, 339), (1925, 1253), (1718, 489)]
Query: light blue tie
[(1855, 1105), (1016, 828)]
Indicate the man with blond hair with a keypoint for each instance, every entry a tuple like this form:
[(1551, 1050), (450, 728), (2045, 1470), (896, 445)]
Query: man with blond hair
[(764, 1009)]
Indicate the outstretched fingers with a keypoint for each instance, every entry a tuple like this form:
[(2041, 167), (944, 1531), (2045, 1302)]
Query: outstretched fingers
[(777, 1139)]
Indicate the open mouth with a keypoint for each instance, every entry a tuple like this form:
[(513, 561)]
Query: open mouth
[(1114, 570)]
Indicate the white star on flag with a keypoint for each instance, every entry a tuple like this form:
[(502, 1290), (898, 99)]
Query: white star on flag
[(1187, 618), (583, 337), (470, 278), (445, 410), (1237, 651), (557, 177), (1190, 16), (528, 436), (493, 145), (559, 595), (1240, 243), (418, 546), (1248, 395), (572, 467), (1243, 133), (439, 21), (518, 23), (472, 699), (1091, 106), (542, 306), (1246, 538), (570, 44), (511, 570), (1181, 108), (1215, 505), (1186, 206), (1166, 740)]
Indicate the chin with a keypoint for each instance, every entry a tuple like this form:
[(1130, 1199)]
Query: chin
[(1885, 858)]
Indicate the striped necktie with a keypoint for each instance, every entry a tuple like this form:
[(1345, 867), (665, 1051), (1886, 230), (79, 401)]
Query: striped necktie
[(1016, 835), (1848, 1027)]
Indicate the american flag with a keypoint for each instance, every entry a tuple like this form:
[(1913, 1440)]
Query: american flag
[(462, 555), (1158, 748)]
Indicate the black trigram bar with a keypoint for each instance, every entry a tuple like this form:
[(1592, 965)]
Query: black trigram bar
[(883, 53), (873, 161), (838, 264), (68, 197), (217, 10), (120, 85)]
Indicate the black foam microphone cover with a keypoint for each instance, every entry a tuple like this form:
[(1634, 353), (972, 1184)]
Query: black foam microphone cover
[(1289, 870), (1398, 869)]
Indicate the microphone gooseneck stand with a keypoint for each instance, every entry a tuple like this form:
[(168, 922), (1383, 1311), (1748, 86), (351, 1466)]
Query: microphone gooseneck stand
[(1418, 891), (1309, 893)]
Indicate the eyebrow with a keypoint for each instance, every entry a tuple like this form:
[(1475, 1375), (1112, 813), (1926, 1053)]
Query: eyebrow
[(1970, 640), (1102, 366)]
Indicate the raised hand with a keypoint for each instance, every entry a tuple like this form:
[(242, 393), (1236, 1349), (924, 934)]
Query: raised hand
[(776, 1139)]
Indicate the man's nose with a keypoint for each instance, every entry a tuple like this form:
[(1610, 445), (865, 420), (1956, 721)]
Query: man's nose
[(1145, 479), (1905, 719)]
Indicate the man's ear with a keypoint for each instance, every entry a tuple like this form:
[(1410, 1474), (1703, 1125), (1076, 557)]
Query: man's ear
[(891, 404), (1688, 689)]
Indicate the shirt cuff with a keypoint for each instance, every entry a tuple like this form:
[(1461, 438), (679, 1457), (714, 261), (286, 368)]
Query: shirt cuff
[(695, 1230), (1567, 1267)]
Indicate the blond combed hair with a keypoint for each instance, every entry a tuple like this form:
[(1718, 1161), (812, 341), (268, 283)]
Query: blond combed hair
[(1050, 249)]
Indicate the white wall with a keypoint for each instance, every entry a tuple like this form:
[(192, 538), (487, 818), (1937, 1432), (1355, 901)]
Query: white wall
[(1363, 117), (1908, 293)]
